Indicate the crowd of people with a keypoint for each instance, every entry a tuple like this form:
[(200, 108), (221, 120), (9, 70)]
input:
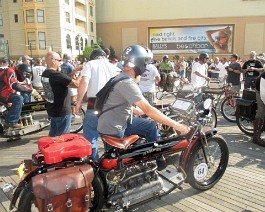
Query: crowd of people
[(65, 80)]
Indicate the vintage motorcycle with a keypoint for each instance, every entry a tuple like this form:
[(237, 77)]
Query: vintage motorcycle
[(133, 172), (34, 118)]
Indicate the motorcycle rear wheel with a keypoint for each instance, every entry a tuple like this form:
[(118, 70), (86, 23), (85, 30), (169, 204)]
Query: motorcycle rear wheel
[(228, 111), (245, 125), (204, 176), (27, 200)]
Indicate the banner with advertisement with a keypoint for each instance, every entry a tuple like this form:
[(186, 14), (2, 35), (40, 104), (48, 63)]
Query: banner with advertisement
[(216, 39)]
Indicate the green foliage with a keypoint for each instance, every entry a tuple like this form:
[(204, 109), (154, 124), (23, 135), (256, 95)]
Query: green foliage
[(87, 52), (176, 57), (112, 53), (100, 43)]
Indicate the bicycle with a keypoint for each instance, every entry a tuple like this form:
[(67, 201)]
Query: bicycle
[(228, 103)]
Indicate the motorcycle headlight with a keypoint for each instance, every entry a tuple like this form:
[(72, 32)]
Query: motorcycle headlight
[(207, 104)]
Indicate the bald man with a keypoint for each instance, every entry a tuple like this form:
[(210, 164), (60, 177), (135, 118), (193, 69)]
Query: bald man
[(55, 86)]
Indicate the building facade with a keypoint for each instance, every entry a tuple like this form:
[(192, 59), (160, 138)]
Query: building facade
[(183, 27), (34, 27)]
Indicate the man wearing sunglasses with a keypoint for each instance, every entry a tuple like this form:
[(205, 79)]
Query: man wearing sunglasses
[(55, 86)]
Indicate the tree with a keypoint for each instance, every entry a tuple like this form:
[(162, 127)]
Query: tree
[(112, 53)]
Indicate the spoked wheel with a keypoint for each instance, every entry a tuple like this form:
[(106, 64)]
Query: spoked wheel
[(203, 176), (245, 125), (27, 200), (228, 112), (77, 122)]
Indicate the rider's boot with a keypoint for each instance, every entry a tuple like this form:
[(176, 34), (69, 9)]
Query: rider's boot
[(258, 124)]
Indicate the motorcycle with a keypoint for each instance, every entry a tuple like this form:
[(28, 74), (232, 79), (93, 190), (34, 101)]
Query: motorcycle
[(134, 172), (34, 119)]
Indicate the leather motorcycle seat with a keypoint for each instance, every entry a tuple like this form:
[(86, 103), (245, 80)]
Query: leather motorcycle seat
[(120, 143)]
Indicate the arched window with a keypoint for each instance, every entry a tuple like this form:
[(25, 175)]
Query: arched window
[(77, 42), (82, 43), (86, 42), (68, 42), (91, 42)]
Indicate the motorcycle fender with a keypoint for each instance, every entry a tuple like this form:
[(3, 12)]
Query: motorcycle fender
[(16, 195), (185, 154)]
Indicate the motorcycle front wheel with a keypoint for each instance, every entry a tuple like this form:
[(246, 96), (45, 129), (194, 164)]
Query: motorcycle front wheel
[(245, 125), (228, 111), (27, 200), (203, 176)]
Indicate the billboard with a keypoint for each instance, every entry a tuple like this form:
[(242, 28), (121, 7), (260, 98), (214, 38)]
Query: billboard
[(216, 39)]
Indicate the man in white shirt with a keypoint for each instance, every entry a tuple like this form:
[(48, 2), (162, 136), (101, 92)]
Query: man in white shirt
[(199, 71), (95, 74), (148, 81), (36, 74)]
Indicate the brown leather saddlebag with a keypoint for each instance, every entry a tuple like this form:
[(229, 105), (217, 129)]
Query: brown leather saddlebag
[(67, 189)]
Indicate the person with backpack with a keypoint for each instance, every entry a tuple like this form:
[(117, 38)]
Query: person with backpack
[(117, 116), (95, 74)]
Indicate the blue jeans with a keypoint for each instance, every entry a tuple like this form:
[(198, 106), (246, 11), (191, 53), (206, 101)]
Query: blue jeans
[(14, 111), (90, 131), (60, 125), (27, 97), (139, 126), (182, 74)]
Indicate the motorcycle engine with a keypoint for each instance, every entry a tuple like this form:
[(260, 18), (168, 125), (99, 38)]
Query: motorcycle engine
[(133, 184)]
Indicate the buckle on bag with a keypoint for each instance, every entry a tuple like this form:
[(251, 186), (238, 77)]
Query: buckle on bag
[(87, 198), (69, 203), (50, 207)]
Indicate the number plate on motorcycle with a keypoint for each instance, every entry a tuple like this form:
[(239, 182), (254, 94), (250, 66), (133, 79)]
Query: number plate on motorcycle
[(183, 105)]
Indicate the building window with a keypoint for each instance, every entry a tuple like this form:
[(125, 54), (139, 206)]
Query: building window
[(91, 43), (77, 42), (39, 0), (0, 3), (30, 16), (14, 1), (86, 42), (91, 27), (42, 40), (68, 42), (91, 11), (31, 41), (16, 18), (28, 0), (66, 2), (1, 20), (82, 44), (40, 16), (67, 17)]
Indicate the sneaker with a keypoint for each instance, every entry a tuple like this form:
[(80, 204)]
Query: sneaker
[(17, 126)]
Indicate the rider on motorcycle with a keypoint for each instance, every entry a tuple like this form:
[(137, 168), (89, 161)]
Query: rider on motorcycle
[(119, 121), (9, 85)]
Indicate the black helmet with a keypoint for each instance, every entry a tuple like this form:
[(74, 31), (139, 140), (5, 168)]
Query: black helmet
[(165, 57), (203, 56), (137, 57), (97, 53)]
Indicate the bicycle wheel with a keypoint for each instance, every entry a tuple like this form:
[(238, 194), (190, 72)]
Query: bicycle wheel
[(77, 122), (228, 111)]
